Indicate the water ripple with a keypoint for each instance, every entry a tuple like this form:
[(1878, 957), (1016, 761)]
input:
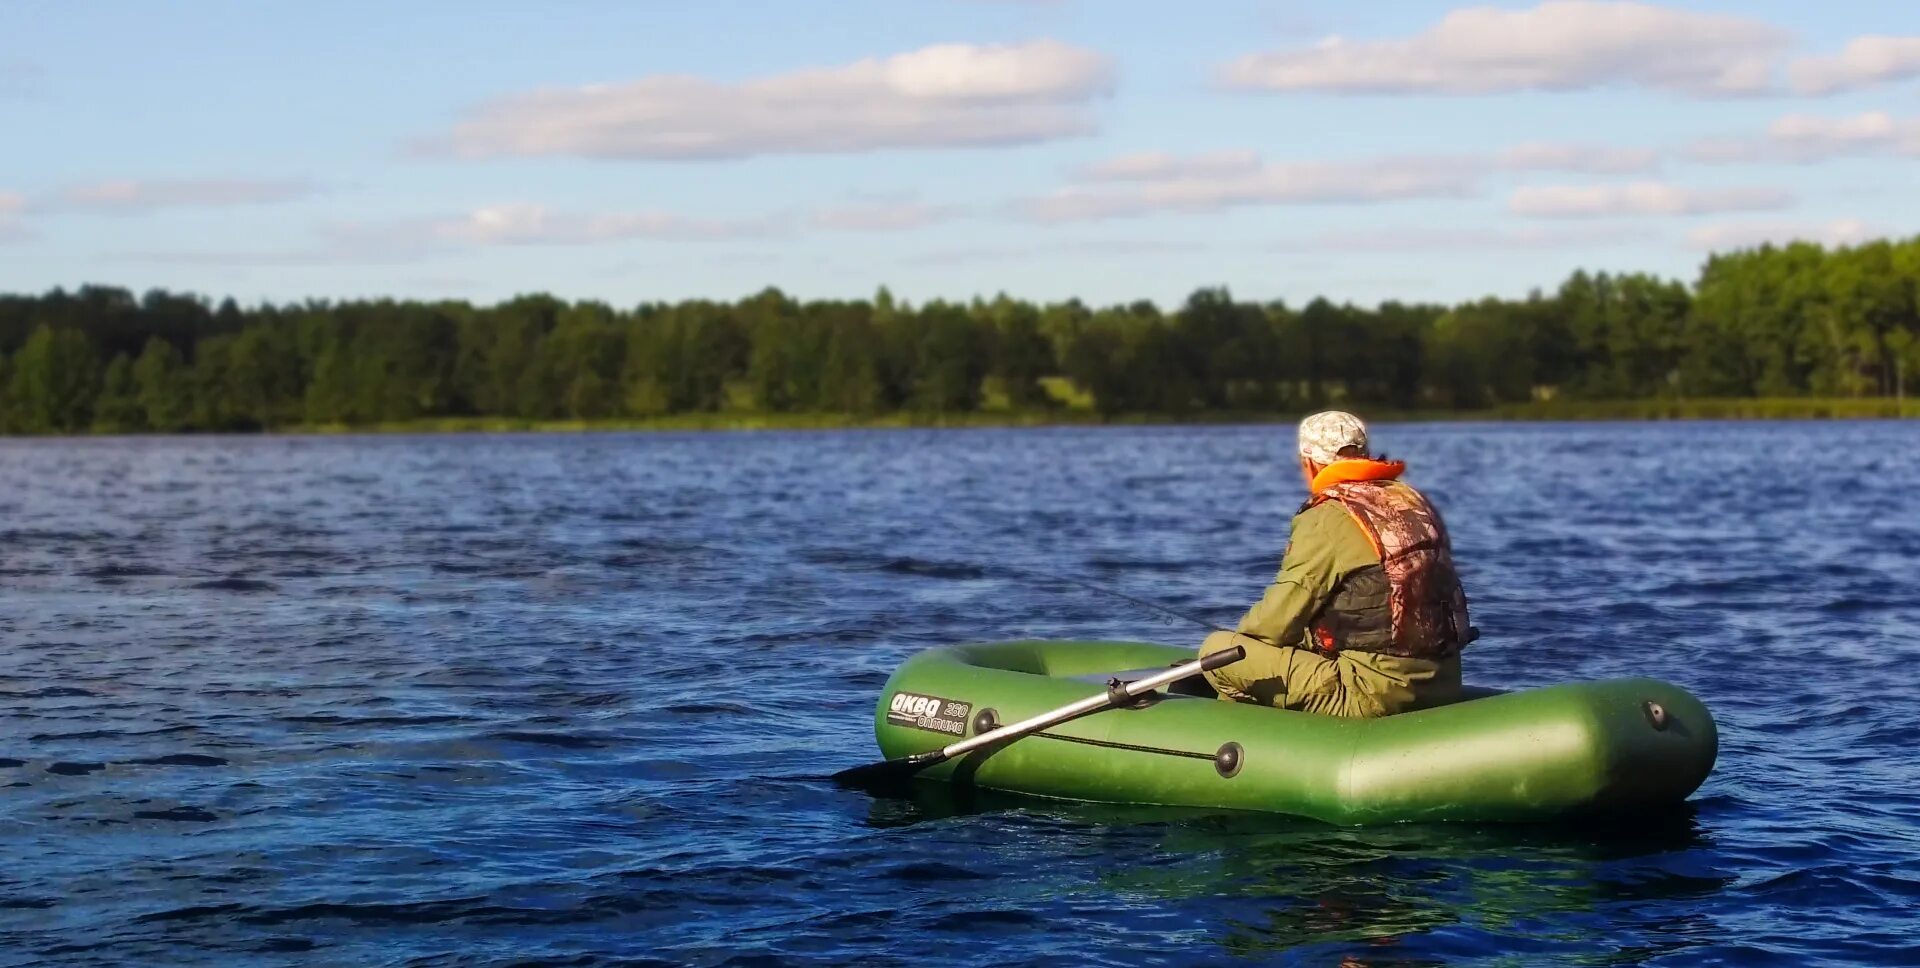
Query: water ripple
[(569, 700)]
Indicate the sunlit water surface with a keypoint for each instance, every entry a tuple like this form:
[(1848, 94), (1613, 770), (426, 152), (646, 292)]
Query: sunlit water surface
[(569, 700)]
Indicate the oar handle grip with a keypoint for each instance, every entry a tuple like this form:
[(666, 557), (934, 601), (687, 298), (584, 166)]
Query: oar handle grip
[(1215, 660)]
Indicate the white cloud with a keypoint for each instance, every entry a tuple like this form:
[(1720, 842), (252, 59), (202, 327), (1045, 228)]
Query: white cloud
[(1150, 165), (1864, 61), (950, 95), (1558, 45), (881, 216), (392, 241), (1641, 198), (1808, 138), (1737, 235), (1130, 247), (307, 256), (520, 224), (1066, 249), (972, 255), (1153, 181), (1184, 185), (1590, 159), (1429, 239), (414, 239), (129, 196), (1874, 131)]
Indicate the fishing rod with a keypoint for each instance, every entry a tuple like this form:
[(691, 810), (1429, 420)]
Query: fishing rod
[(1143, 603)]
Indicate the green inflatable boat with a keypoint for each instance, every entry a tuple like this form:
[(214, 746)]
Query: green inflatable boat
[(1537, 754)]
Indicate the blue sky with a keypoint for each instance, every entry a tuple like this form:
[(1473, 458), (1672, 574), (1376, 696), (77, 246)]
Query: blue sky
[(1107, 149)]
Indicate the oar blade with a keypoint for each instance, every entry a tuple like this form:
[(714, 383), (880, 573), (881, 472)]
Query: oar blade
[(886, 774)]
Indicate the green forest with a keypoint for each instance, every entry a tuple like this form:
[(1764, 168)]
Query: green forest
[(1799, 321)]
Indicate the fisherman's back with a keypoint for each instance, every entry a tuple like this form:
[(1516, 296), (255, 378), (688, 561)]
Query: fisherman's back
[(1366, 617)]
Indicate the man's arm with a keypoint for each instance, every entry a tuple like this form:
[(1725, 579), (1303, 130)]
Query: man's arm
[(1308, 574)]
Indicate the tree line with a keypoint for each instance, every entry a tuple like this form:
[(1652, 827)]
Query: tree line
[(1797, 320)]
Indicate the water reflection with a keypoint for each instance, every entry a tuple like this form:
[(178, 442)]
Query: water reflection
[(1394, 895)]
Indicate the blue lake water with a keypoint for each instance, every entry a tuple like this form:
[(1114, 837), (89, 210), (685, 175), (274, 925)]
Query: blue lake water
[(505, 700)]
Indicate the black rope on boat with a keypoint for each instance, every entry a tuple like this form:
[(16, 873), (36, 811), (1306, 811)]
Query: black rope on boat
[(1109, 744)]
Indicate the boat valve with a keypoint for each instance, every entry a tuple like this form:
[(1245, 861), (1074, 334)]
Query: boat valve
[(1656, 714), (984, 721)]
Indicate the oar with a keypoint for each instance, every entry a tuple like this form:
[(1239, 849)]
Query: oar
[(893, 771)]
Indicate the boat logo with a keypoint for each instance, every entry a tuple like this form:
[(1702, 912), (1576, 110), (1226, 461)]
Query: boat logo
[(930, 713)]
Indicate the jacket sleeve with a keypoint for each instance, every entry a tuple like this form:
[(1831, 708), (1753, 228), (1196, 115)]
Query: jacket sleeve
[(1308, 575)]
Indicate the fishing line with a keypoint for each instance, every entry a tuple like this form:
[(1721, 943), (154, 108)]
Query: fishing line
[(1143, 603)]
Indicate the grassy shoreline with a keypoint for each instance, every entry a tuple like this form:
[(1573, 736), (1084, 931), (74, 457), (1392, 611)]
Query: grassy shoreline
[(1618, 410)]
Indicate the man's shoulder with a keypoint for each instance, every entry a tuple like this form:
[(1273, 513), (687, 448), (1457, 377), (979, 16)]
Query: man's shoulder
[(1324, 518), (1329, 508), (1329, 528), (1313, 512), (1409, 488), (1401, 486)]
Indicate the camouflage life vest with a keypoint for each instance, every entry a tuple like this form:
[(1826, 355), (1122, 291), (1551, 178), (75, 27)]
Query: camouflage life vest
[(1411, 604)]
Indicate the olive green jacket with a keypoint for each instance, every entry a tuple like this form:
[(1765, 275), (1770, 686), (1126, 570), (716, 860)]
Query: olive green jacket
[(1327, 545)]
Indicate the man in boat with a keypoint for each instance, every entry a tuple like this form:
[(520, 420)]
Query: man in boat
[(1366, 617)]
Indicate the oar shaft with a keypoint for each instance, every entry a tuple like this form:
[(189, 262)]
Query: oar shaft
[(1131, 690)]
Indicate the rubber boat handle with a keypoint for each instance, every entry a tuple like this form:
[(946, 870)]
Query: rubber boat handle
[(1131, 690)]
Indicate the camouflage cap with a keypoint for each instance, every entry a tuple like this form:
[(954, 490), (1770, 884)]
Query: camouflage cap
[(1325, 434)]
